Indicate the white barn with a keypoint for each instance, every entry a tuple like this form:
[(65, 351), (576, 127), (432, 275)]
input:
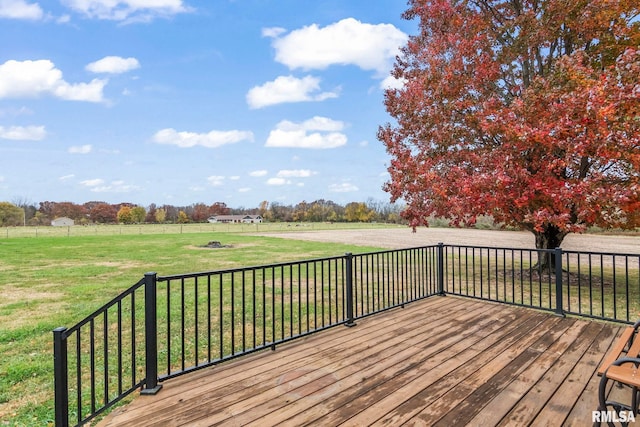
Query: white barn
[(63, 221), (246, 219)]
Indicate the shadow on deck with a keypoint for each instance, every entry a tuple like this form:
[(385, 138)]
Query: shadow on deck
[(442, 361)]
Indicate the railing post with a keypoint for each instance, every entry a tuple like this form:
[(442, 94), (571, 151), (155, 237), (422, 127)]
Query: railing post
[(557, 254), (441, 269), (60, 378), (349, 285), (151, 385)]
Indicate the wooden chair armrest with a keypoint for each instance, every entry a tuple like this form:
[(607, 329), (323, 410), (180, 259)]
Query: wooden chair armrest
[(619, 346)]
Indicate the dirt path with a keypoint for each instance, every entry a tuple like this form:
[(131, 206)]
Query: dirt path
[(395, 238)]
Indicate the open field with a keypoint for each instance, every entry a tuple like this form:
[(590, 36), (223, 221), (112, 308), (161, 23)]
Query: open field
[(56, 280), (139, 229)]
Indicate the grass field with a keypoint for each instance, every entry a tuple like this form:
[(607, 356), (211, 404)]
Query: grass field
[(116, 230), (65, 274)]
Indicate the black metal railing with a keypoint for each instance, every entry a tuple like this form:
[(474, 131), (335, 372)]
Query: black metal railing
[(166, 326), (209, 317), (101, 360), (590, 284)]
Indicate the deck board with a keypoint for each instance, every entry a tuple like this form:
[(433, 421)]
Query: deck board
[(441, 361)]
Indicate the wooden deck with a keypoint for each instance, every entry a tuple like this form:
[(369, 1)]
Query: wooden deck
[(444, 361)]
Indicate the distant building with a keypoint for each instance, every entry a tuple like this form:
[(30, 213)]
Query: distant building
[(246, 219), (62, 222)]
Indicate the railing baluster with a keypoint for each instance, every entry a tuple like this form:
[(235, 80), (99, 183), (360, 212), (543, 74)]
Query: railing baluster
[(78, 376), (133, 340), (168, 322), (244, 318), (329, 293), (615, 290), (567, 266), (209, 331), (273, 307), (182, 324), (120, 373), (92, 364), (221, 314), (233, 313), (253, 306), (300, 299), (196, 321), (105, 355), (282, 322)]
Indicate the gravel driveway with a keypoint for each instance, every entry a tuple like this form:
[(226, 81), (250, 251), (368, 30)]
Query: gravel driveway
[(395, 238)]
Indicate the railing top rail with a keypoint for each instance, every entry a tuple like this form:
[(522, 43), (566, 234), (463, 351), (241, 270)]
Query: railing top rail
[(397, 250), (501, 248), (566, 251), (105, 307), (280, 264), (616, 254), (240, 269)]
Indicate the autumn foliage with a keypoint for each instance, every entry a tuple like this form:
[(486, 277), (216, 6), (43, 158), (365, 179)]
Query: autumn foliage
[(525, 110)]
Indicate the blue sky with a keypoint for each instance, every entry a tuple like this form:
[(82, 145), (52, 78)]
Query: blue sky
[(186, 101)]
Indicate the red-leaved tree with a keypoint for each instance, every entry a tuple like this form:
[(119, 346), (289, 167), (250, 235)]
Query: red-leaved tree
[(525, 110)]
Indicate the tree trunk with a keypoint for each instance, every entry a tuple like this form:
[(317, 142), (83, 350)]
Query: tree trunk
[(548, 239)]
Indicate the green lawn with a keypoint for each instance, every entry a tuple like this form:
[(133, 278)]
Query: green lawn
[(56, 280)]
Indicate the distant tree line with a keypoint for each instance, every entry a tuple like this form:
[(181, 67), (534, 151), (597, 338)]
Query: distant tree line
[(22, 212)]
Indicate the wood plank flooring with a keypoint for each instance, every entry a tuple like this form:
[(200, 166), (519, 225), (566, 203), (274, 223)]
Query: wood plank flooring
[(443, 361)]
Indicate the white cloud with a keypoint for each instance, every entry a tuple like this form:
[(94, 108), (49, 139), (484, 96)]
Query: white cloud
[(216, 180), (315, 123), (244, 190), (20, 9), (113, 65), (347, 42), (302, 135), (127, 10), (23, 133), (392, 83), (273, 31), (287, 89), (259, 173), (345, 187), (99, 186), (23, 79), (80, 149), (277, 181), (92, 182), (66, 177), (211, 139), (296, 173)]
